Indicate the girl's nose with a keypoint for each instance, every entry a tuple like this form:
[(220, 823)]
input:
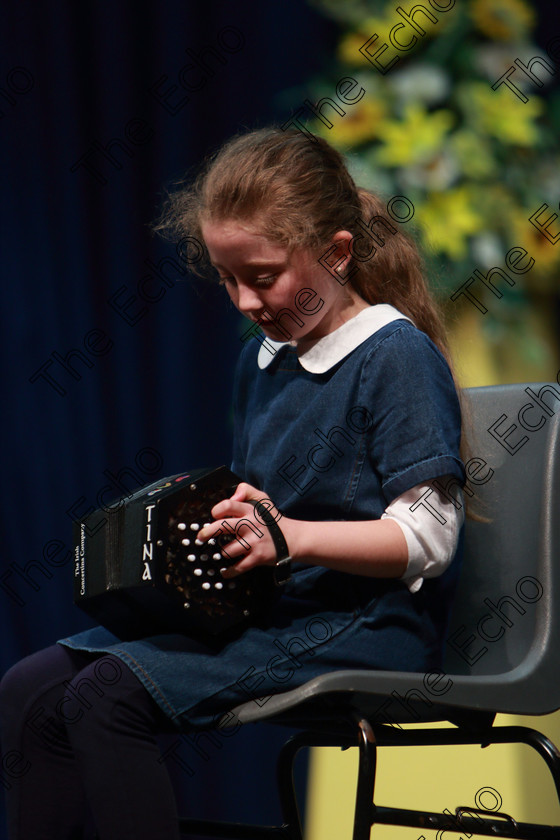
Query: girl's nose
[(248, 299)]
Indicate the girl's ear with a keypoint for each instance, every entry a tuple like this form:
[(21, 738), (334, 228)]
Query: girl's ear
[(341, 240)]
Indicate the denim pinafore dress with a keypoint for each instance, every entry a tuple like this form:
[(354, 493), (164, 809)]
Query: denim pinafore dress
[(339, 444)]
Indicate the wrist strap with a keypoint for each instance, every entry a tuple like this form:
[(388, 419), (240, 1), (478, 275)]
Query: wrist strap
[(283, 568)]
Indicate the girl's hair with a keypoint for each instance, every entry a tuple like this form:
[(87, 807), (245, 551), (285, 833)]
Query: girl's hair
[(295, 188)]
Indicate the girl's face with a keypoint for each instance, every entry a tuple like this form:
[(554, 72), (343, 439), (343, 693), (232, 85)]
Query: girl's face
[(266, 282)]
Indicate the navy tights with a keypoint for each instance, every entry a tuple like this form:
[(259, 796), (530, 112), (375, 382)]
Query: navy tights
[(78, 737)]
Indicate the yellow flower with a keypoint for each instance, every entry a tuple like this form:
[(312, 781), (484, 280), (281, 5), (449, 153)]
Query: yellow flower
[(348, 50), (448, 219), (360, 123), (503, 20), (501, 114), (526, 235), (415, 138)]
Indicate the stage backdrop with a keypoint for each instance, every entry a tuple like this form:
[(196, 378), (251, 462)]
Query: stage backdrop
[(117, 369)]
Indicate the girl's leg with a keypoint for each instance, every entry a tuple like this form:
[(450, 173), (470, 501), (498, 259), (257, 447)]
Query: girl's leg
[(83, 729), (44, 793), (113, 736)]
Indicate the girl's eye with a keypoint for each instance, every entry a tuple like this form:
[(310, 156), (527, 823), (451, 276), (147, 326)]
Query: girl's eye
[(259, 282), (265, 281)]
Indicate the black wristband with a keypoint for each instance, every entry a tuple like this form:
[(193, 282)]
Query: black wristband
[(283, 568)]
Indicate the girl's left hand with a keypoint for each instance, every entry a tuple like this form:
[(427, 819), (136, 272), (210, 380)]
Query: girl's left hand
[(251, 544)]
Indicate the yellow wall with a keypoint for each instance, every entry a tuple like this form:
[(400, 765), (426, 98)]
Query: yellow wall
[(480, 361), (434, 779)]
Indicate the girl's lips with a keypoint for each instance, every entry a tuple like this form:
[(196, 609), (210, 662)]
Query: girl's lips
[(261, 320)]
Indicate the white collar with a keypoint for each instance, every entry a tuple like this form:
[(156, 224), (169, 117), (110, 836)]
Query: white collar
[(332, 348)]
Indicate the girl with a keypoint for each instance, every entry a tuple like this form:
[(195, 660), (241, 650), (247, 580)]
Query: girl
[(345, 412)]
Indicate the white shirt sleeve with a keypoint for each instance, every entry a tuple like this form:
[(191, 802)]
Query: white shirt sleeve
[(431, 530)]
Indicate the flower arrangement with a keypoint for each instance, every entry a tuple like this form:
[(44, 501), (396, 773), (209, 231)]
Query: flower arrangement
[(476, 160)]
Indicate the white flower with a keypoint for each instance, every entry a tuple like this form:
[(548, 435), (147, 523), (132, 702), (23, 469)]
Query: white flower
[(436, 175), (493, 60), (488, 250), (424, 83)]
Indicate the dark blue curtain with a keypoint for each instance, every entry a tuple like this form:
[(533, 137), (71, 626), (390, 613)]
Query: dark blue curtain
[(117, 368)]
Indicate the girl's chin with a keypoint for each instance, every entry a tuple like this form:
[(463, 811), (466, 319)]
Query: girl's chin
[(275, 332)]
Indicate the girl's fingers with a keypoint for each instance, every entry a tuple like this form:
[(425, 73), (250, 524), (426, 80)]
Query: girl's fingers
[(210, 530), (230, 508), (235, 550), (248, 537), (245, 491), (234, 571), (228, 522)]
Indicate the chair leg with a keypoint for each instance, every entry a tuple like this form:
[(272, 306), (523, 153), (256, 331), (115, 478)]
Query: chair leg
[(286, 791), (363, 813), (285, 775), (543, 745), (364, 739)]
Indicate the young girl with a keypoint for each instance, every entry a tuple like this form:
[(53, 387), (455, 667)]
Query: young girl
[(345, 411)]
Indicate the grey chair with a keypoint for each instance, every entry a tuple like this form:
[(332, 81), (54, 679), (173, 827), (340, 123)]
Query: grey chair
[(503, 644)]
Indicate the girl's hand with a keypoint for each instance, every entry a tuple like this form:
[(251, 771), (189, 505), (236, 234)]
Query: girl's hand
[(251, 544)]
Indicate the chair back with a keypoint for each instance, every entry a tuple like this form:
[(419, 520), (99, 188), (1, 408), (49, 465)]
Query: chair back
[(506, 616), (503, 642)]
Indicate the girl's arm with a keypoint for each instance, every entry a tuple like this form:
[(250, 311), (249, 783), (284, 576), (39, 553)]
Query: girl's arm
[(375, 548)]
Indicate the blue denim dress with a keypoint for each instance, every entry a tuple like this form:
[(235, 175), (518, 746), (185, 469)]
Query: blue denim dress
[(336, 445)]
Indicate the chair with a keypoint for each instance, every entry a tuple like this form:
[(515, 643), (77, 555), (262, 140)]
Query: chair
[(502, 648)]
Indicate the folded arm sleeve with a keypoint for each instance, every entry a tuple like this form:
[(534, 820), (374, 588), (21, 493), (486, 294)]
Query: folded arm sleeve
[(431, 524)]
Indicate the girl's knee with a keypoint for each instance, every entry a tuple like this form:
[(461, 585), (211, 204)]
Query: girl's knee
[(106, 695), (10, 689), (33, 676), (20, 682), (82, 695), (95, 689)]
